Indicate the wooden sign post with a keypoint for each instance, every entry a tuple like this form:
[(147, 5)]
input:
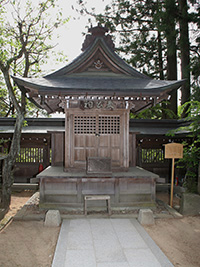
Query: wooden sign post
[(173, 151)]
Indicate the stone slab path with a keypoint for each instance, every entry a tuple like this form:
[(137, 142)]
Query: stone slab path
[(108, 242)]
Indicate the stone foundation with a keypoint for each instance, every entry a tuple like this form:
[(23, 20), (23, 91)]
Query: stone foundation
[(61, 190)]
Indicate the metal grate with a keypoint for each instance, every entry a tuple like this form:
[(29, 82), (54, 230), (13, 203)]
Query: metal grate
[(84, 124), (109, 125)]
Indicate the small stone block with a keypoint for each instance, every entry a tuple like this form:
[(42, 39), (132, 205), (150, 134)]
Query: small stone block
[(146, 216), (52, 218), (190, 204)]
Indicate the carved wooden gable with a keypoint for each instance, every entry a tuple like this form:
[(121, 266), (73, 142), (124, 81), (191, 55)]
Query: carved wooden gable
[(98, 59)]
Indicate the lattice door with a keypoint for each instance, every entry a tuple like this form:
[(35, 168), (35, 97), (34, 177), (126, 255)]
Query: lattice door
[(96, 136)]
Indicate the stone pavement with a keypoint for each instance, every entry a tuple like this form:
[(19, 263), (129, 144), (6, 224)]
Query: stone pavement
[(98, 242)]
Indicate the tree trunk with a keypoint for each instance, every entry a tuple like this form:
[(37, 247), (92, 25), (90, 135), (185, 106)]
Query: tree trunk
[(8, 163), (160, 57), (185, 52), (171, 49)]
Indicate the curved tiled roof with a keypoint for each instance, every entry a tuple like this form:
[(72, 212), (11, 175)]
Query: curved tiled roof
[(69, 85)]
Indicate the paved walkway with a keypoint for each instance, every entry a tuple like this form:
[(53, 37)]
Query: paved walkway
[(108, 242)]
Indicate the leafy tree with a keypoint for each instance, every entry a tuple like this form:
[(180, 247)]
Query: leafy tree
[(191, 151), (24, 45), (37, 52)]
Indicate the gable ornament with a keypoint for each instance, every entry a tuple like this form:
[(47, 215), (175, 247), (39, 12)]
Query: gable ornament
[(98, 64)]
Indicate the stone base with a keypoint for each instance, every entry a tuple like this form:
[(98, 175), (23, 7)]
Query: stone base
[(61, 190), (146, 217), (52, 218)]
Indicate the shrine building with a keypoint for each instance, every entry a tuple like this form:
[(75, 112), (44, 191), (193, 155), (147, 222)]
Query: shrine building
[(96, 92)]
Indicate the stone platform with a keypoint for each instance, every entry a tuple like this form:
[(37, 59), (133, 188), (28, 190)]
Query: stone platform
[(65, 190)]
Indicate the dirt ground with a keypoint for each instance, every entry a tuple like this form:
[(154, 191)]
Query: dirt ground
[(29, 243), (179, 239), (26, 243)]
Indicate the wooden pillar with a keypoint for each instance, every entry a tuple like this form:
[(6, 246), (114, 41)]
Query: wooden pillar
[(126, 139), (67, 140), (57, 145), (133, 149), (46, 155)]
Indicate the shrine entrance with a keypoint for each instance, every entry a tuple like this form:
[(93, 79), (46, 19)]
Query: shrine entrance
[(96, 133)]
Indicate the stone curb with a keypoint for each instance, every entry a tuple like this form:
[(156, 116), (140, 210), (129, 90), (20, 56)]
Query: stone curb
[(172, 211), (21, 216), (165, 262)]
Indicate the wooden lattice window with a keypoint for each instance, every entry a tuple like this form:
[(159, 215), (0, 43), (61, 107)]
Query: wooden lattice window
[(3, 151), (84, 124), (30, 154), (109, 125), (88, 125), (152, 155)]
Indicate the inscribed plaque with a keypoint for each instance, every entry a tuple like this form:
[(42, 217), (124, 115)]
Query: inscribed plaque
[(173, 151)]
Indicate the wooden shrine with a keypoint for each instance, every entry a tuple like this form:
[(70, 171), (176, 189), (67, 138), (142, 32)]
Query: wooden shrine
[(96, 92)]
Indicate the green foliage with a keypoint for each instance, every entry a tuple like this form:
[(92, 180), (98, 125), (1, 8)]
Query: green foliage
[(191, 162), (191, 155), (26, 29), (155, 112)]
